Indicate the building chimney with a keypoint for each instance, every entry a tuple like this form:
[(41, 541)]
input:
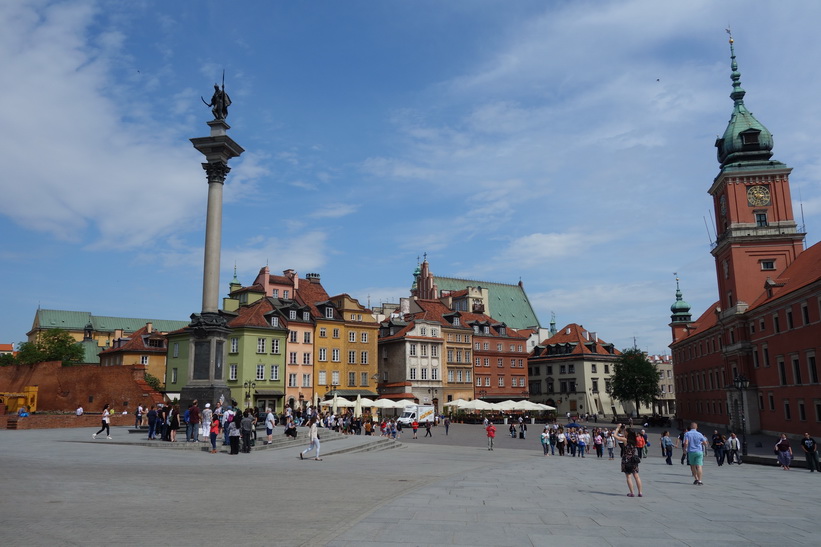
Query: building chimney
[(149, 327), (118, 333), (312, 277)]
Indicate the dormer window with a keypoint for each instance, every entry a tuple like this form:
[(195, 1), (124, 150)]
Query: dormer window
[(275, 321), (329, 313), (292, 314), (750, 138), (502, 331), (306, 316), (476, 329), (486, 329), (456, 322)]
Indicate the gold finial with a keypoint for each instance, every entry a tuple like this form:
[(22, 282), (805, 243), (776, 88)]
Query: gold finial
[(730, 32)]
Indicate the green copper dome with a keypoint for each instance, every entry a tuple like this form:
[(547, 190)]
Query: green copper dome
[(680, 308), (745, 138)]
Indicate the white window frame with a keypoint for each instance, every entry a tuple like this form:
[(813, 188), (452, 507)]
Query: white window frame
[(260, 372), (232, 372), (274, 372), (260, 345)]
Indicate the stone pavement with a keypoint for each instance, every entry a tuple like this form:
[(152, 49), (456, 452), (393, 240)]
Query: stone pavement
[(62, 488)]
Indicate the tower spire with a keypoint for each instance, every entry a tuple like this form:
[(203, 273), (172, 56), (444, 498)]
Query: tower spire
[(738, 92)]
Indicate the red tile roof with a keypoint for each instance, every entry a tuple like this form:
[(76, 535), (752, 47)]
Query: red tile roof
[(804, 270), (574, 334), (136, 344), (252, 315)]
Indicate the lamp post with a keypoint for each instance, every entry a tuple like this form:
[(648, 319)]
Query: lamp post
[(248, 387), (741, 384)]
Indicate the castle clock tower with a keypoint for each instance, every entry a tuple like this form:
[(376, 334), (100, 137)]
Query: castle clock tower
[(757, 237)]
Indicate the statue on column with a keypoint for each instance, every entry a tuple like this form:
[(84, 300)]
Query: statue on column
[(220, 101)]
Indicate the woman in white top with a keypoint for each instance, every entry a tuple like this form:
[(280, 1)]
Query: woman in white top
[(314, 435), (106, 421)]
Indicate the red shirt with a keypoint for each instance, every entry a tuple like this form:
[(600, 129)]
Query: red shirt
[(491, 430)]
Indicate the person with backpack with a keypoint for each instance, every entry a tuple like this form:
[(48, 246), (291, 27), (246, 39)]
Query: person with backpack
[(227, 418)]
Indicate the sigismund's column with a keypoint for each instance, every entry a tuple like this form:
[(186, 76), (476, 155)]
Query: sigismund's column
[(208, 329)]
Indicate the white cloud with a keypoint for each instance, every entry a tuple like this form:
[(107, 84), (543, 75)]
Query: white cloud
[(88, 174), (335, 210)]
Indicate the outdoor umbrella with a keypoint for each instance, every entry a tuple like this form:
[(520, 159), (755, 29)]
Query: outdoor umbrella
[(383, 403), (477, 404), (573, 424), (457, 403)]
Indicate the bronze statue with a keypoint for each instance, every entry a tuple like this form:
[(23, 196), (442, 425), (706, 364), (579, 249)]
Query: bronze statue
[(220, 101)]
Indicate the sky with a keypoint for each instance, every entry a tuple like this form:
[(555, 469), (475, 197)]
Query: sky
[(569, 145)]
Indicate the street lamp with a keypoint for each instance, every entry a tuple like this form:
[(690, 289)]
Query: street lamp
[(741, 384), (248, 387)]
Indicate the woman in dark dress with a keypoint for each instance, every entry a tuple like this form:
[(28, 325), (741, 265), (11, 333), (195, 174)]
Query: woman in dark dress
[(629, 460), (175, 422)]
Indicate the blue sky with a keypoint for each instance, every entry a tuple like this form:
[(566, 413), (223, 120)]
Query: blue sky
[(566, 144)]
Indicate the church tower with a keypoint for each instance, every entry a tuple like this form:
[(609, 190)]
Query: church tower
[(756, 233)]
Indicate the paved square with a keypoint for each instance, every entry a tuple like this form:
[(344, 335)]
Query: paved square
[(62, 488)]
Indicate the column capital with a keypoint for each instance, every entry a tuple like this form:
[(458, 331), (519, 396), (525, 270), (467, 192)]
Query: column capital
[(216, 171)]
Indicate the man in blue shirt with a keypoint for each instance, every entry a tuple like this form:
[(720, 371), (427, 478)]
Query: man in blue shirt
[(695, 444)]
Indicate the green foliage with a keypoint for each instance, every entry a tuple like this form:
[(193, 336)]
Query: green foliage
[(635, 378), (7, 359), (52, 345), (153, 381)]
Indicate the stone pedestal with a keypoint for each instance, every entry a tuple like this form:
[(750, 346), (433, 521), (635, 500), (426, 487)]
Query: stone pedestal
[(206, 361)]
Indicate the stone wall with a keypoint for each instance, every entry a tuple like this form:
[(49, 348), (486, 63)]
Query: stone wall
[(63, 389)]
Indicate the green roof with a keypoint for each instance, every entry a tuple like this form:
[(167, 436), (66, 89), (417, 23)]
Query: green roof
[(506, 303), (77, 320)]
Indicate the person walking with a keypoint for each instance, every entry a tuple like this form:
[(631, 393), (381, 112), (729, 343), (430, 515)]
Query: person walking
[(731, 448), (784, 452), (415, 427), (314, 438), (630, 460), (695, 444), (106, 422), (610, 442), (491, 434), (427, 429), (214, 431), (447, 425), (718, 447), (667, 447), (810, 448)]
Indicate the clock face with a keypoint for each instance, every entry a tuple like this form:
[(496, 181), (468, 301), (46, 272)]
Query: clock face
[(758, 196)]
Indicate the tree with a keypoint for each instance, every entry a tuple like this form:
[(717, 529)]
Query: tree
[(635, 378), (7, 359), (52, 345)]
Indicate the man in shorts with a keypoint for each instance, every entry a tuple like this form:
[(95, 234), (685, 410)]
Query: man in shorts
[(695, 444)]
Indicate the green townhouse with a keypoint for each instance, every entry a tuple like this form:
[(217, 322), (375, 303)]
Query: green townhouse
[(254, 357)]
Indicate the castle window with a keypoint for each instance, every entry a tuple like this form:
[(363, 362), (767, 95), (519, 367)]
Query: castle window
[(749, 138), (761, 219), (767, 264)]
